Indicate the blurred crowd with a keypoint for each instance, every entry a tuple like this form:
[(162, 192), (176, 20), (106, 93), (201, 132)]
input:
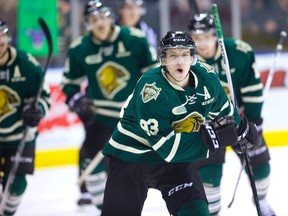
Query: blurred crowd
[(261, 20)]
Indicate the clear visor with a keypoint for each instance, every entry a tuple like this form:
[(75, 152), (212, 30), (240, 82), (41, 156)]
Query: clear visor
[(178, 56)]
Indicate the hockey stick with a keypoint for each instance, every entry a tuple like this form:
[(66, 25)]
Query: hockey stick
[(21, 146), (94, 163), (237, 183), (195, 6), (230, 84), (267, 87), (223, 52), (279, 48)]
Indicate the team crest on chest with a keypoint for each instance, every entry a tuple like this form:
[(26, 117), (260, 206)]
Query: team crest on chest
[(190, 123), (149, 92), (112, 78), (8, 100)]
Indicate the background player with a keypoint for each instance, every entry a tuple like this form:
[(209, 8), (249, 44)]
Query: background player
[(162, 130), (112, 58), (20, 75), (248, 92), (130, 14)]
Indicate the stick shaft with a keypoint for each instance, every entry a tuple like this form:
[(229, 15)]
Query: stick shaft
[(279, 48), (92, 165), (48, 37), (223, 51)]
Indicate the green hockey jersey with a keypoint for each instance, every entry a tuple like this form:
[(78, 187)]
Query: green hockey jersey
[(112, 69), (19, 83), (245, 76), (153, 127)]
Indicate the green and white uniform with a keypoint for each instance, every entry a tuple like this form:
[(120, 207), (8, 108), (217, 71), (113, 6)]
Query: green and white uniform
[(154, 115), (19, 82), (247, 88), (112, 69), (151, 148), (245, 76)]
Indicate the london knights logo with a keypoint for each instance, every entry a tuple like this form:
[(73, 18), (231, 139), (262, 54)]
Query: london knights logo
[(149, 92), (9, 99)]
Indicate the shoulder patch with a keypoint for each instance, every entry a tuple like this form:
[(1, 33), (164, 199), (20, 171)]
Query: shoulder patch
[(149, 92), (208, 67), (76, 42), (137, 32), (243, 46)]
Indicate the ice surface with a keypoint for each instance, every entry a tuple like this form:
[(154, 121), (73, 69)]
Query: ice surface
[(53, 191)]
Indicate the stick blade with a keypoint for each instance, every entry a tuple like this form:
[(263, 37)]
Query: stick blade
[(47, 33)]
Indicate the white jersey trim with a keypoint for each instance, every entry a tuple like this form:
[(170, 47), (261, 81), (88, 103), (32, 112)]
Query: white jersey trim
[(132, 135), (127, 148)]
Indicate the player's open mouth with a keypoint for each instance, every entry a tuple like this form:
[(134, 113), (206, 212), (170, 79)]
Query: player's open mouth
[(180, 70)]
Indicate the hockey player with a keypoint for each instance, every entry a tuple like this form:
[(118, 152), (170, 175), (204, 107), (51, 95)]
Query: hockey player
[(175, 113), (248, 93), (130, 14), (20, 75), (112, 58)]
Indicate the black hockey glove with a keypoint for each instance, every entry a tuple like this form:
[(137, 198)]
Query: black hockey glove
[(32, 115), (220, 132), (247, 136), (81, 105)]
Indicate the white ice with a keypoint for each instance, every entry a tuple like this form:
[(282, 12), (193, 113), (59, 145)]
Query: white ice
[(53, 191)]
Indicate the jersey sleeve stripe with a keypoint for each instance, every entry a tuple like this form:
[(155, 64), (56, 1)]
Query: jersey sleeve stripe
[(66, 81), (12, 128), (132, 135), (127, 148), (162, 141), (253, 99), (174, 147), (106, 103), (252, 88)]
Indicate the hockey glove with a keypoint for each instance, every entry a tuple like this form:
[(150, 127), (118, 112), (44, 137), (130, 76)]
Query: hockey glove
[(220, 132), (81, 105), (247, 136), (32, 115)]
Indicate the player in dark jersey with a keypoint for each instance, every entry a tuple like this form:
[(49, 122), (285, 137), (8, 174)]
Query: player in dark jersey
[(20, 76), (248, 93), (112, 58), (130, 14), (176, 113)]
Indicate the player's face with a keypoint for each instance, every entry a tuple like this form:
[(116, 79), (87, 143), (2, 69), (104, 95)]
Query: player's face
[(4, 42), (178, 63), (100, 25), (206, 44), (130, 14)]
